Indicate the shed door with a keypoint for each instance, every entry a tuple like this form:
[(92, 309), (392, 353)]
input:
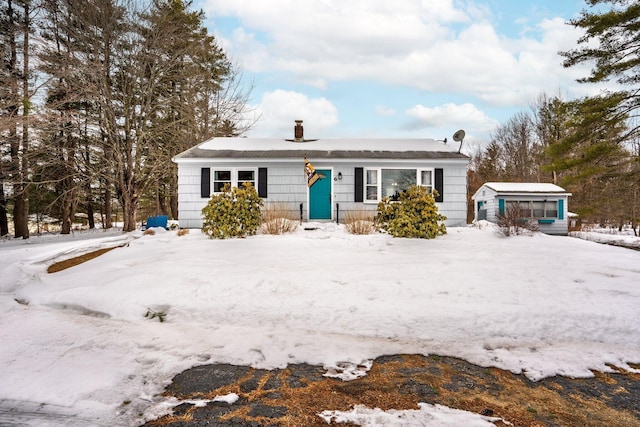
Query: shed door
[(320, 196)]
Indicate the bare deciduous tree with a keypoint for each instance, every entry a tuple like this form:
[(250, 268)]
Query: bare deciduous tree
[(133, 84)]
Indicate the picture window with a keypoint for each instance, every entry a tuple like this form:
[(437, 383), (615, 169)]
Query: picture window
[(390, 183)]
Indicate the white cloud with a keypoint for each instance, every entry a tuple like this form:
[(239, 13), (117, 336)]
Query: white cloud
[(450, 116), (279, 109), (433, 45), (319, 34)]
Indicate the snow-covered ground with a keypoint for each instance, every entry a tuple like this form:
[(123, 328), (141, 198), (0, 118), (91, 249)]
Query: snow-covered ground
[(77, 349), (617, 239)]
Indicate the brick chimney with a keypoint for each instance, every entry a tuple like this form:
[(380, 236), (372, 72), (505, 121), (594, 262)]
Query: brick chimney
[(298, 132)]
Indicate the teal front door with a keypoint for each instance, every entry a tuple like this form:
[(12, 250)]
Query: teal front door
[(320, 196)]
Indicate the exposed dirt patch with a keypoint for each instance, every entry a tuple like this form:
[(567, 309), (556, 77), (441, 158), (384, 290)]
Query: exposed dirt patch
[(295, 395), (72, 262)]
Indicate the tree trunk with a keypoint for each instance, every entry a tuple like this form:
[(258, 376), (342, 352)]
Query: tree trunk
[(92, 223), (4, 221), (129, 207), (66, 220), (68, 209), (20, 220), (158, 209), (108, 207), (163, 199), (26, 106), (173, 197), (20, 225)]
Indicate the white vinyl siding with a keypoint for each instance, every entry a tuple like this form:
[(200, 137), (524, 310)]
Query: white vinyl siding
[(287, 185)]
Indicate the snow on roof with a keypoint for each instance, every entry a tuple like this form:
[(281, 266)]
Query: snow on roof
[(524, 187), (330, 144), (323, 148)]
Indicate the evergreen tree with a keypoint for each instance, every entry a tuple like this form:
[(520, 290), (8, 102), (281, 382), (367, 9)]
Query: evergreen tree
[(551, 119), (612, 44), (59, 160), (6, 103), (184, 67), (589, 158), (132, 84), (15, 108)]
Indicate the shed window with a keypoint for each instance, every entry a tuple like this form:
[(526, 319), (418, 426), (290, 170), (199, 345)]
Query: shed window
[(551, 209), (535, 209), (525, 209)]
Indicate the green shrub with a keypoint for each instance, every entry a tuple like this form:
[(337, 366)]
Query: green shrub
[(414, 215), (233, 213)]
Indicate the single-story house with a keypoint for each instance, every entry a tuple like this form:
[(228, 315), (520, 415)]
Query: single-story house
[(355, 174), (543, 203)]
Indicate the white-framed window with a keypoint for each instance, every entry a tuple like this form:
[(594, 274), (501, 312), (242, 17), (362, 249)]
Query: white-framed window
[(246, 176), (371, 185), (220, 178), (233, 177), (426, 179), (381, 183)]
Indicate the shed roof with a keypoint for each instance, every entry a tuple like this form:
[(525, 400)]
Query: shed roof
[(332, 148), (525, 187)]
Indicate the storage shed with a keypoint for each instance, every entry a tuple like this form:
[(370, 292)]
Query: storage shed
[(355, 174), (542, 203)]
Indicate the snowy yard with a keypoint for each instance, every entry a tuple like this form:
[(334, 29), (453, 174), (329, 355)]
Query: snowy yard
[(79, 343)]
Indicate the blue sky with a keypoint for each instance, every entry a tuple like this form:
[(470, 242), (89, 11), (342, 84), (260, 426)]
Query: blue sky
[(407, 68)]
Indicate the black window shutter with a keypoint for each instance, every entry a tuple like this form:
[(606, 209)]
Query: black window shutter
[(262, 182), (359, 181), (439, 185), (205, 182)]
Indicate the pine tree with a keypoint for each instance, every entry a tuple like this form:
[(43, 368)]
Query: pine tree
[(15, 108), (589, 158), (185, 66), (616, 54), (612, 44)]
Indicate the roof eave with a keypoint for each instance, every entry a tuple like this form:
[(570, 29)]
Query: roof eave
[(540, 193), (197, 154)]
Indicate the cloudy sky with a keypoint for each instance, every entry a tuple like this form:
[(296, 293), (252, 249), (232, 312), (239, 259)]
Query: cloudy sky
[(405, 68)]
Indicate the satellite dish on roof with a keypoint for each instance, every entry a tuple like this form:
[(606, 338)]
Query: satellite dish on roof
[(459, 137)]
